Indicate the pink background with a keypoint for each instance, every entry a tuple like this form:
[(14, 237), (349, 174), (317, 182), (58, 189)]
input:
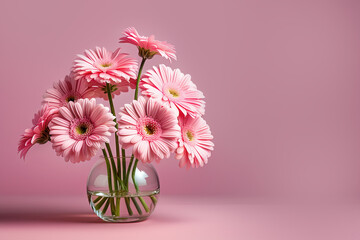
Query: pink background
[(281, 79)]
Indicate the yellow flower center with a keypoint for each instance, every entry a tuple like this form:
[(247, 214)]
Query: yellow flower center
[(174, 93), (190, 135), (106, 65)]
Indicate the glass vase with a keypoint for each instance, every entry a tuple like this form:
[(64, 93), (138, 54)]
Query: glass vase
[(131, 197)]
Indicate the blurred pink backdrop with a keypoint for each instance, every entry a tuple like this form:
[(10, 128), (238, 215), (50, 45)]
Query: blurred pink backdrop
[(281, 80)]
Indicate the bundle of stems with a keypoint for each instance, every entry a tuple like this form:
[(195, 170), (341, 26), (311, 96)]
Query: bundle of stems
[(118, 173)]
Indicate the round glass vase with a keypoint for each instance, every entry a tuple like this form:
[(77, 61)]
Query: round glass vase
[(121, 200)]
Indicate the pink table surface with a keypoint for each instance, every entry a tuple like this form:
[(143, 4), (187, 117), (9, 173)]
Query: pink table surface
[(179, 218)]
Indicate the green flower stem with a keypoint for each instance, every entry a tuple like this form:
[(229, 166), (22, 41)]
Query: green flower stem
[(123, 163), (127, 201), (108, 89), (106, 206), (112, 206), (109, 179), (153, 199), (108, 169), (136, 205), (118, 154), (117, 211), (113, 166), (97, 199), (138, 78), (99, 205), (133, 175), (137, 187), (144, 204), (128, 171), (122, 185), (115, 177)]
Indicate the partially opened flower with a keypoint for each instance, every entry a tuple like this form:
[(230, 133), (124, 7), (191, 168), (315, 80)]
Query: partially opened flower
[(150, 128), (174, 89), (148, 46), (102, 66), (67, 90), (25, 142), (100, 90), (39, 133), (81, 129), (195, 144)]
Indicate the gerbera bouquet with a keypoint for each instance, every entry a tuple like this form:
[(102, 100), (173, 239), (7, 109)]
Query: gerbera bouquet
[(166, 119)]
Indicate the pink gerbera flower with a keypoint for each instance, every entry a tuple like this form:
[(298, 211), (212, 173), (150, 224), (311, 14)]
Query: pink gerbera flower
[(67, 90), (174, 89), (103, 66), (195, 144), (148, 46), (100, 90), (39, 133), (150, 128), (80, 129)]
